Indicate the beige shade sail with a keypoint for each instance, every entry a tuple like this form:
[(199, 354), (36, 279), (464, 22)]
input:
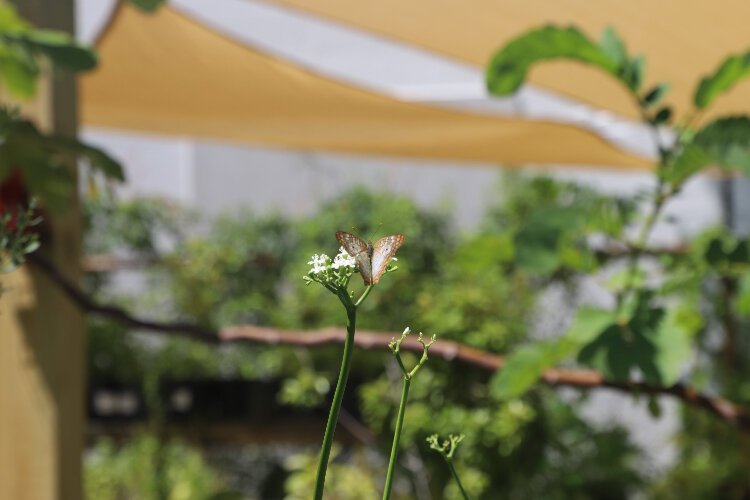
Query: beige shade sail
[(166, 73), (682, 39)]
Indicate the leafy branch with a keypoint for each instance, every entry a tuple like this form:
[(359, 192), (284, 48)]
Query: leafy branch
[(729, 412), (640, 333), (42, 160)]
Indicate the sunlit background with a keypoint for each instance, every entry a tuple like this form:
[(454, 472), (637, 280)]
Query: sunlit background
[(251, 131)]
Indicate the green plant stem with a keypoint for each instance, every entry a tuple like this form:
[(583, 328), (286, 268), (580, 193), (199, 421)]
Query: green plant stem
[(455, 476), (364, 295), (396, 437), (338, 396)]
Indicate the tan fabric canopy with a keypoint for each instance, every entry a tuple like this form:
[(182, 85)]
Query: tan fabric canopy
[(682, 40), (165, 73)]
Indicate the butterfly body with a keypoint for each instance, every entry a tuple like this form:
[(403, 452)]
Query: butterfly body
[(372, 258)]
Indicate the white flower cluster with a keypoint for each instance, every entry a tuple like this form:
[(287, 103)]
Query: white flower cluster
[(322, 263), (335, 273), (343, 259)]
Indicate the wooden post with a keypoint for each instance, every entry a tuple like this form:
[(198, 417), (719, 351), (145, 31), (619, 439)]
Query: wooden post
[(41, 333)]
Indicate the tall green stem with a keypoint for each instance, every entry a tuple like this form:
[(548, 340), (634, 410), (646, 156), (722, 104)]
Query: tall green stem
[(458, 481), (338, 396), (396, 437)]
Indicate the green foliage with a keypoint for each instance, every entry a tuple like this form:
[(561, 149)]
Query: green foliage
[(233, 276), (727, 75), (524, 367), (17, 236), (468, 289), (508, 68), (148, 5), (115, 472), (712, 465), (484, 289), (354, 479), (655, 95), (44, 160), (727, 142), (23, 48)]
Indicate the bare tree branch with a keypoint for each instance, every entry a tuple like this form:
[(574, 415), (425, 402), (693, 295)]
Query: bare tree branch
[(727, 411)]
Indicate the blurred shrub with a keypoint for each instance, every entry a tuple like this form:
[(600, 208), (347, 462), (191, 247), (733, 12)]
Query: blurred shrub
[(481, 289), (147, 469)]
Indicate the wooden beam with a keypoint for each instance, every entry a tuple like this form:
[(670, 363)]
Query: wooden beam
[(41, 334)]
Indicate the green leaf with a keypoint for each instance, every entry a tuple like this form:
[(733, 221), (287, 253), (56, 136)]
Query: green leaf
[(588, 323), (44, 159), (633, 71), (98, 159), (537, 242), (691, 160), (740, 254), (728, 74), (673, 342), (485, 253), (743, 296), (724, 142), (523, 369), (727, 141), (655, 95), (148, 5), (613, 46), (654, 342), (508, 68), (62, 50), (714, 254), (662, 116), (18, 71), (10, 21), (654, 408)]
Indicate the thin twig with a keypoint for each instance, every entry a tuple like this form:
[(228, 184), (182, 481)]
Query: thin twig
[(727, 411)]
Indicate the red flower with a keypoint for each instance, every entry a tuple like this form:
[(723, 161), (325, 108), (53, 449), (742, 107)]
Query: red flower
[(13, 197)]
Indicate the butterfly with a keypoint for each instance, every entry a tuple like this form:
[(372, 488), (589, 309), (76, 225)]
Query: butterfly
[(372, 259)]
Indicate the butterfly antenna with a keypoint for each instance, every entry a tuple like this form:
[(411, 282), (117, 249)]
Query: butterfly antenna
[(375, 231)]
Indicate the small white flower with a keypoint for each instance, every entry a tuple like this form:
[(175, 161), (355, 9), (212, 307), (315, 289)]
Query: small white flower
[(343, 259), (320, 263)]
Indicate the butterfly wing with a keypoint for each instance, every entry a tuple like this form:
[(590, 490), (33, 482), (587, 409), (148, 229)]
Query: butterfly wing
[(357, 248), (382, 252)]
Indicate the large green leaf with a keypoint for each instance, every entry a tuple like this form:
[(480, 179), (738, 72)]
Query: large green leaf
[(44, 159), (508, 68), (691, 160), (724, 142), (588, 323), (524, 367), (727, 141), (21, 45), (96, 158), (653, 342), (727, 75), (62, 50), (18, 70), (674, 341), (10, 21)]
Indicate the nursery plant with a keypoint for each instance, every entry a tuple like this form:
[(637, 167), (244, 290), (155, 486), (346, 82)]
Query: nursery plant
[(675, 327)]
